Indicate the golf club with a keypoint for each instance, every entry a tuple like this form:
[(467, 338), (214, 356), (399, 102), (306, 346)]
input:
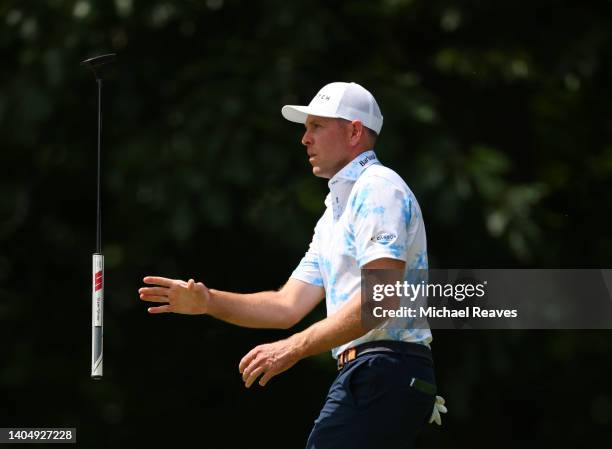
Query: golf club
[(97, 292)]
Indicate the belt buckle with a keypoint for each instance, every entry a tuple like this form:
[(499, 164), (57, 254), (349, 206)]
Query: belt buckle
[(351, 354), (340, 360), (348, 355)]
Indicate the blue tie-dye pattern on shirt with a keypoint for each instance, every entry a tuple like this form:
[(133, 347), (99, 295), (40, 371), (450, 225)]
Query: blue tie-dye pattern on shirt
[(407, 210), (365, 201), (360, 202), (419, 262)]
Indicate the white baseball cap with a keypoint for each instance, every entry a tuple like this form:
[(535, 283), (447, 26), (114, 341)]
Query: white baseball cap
[(349, 101)]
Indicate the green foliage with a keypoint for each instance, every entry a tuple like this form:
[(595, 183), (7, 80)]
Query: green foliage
[(496, 113)]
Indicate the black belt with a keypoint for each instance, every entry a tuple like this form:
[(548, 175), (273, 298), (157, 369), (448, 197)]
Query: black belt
[(399, 347)]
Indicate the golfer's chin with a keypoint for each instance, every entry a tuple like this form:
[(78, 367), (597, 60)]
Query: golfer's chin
[(319, 172)]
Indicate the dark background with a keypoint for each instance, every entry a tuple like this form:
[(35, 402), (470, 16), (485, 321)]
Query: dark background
[(497, 114)]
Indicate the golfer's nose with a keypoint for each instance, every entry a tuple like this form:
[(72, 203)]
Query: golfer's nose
[(306, 138)]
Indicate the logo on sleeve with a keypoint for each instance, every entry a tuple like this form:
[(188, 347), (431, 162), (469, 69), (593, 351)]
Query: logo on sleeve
[(384, 238)]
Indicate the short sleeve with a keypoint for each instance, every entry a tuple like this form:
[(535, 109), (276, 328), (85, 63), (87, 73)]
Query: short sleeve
[(308, 269), (383, 222)]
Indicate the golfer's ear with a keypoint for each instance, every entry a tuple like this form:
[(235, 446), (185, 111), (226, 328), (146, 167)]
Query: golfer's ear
[(356, 131)]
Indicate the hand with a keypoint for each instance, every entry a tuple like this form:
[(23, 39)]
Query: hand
[(269, 359), (189, 298)]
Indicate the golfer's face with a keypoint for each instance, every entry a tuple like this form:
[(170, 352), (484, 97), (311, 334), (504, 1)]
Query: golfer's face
[(326, 144)]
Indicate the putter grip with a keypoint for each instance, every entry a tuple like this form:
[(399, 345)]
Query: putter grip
[(97, 315)]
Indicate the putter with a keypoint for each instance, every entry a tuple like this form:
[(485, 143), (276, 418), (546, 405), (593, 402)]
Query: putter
[(97, 291)]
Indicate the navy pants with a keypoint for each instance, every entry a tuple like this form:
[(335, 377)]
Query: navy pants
[(371, 404)]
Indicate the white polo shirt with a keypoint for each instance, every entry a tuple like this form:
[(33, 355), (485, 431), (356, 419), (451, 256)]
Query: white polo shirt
[(370, 214)]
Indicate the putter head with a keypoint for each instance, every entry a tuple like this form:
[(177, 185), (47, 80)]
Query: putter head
[(98, 61)]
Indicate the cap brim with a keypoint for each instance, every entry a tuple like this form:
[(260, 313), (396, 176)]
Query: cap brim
[(299, 114)]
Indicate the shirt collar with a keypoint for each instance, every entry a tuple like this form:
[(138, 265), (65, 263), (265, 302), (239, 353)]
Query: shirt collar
[(341, 184)]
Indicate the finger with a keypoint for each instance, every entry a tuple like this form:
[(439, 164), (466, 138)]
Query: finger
[(266, 377), (249, 369), (253, 376), (190, 284), (246, 360), (158, 281), (154, 298), (160, 309), (159, 291)]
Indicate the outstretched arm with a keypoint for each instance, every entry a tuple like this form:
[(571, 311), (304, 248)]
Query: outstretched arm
[(270, 309)]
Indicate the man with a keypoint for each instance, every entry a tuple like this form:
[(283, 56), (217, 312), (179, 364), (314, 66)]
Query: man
[(385, 390)]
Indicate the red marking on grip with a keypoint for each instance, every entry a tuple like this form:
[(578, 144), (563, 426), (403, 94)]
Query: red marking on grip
[(98, 281)]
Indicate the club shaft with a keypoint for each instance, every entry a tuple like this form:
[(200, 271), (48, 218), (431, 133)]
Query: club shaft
[(99, 207)]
